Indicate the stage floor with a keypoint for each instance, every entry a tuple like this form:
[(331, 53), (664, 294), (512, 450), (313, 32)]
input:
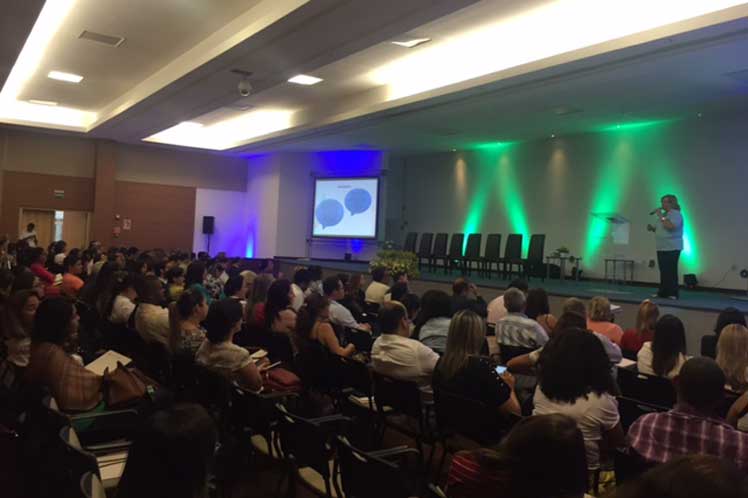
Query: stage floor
[(702, 300)]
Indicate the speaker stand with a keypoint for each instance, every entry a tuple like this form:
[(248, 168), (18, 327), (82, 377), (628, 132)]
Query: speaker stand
[(208, 244)]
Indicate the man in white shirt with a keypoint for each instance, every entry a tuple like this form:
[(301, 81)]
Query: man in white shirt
[(515, 329), (496, 308), (298, 288), (29, 236), (339, 314), (396, 355), (377, 288)]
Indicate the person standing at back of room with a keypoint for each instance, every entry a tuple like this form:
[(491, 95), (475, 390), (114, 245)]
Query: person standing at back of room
[(669, 241), (29, 236)]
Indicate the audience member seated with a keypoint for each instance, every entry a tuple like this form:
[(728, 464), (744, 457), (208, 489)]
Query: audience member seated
[(236, 288), (354, 296), (516, 329), (218, 351), (666, 354), (412, 305), (174, 283), (378, 287), (432, 322), (463, 371), (600, 319), (692, 426), (313, 325), (525, 363), (298, 287), (152, 319), (539, 309), (692, 476), (395, 354), (171, 456), (396, 292), (646, 318), (71, 281), (256, 304), (279, 316), (17, 325), (315, 281), (613, 350), (51, 365), (185, 318), (465, 297), (214, 281), (124, 294), (732, 356), (496, 309), (194, 278), (341, 316), (574, 379), (727, 316), (543, 456)]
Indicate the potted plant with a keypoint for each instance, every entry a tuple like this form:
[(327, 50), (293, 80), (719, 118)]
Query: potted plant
[(396, 261)]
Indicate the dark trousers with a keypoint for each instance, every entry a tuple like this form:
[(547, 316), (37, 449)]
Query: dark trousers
[(668, 263)]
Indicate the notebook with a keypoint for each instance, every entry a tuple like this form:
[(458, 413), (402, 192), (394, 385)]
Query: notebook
[(107, 360)]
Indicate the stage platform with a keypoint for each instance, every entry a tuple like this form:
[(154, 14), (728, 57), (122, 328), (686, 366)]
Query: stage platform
[(700, 300)]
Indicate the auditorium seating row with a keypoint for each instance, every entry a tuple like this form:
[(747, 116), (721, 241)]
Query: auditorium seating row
[(442, 252)]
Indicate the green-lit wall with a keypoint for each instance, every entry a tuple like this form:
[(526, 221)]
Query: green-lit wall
[(552, 185)]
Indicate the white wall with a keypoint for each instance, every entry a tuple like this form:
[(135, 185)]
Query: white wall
[(262, 204), (231, 221), (554, 184)]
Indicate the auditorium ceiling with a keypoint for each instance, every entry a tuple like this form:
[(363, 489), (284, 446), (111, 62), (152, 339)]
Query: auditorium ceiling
[(401, 76)]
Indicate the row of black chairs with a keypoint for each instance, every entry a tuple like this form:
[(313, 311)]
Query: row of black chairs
[(442, 252)]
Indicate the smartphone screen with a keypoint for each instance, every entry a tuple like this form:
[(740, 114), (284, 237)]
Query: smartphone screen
[(500, 369)]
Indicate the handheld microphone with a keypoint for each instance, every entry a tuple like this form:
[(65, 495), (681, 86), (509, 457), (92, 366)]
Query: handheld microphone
[(654, 211)]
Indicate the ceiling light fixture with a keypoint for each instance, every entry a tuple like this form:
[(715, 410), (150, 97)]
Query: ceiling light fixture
[(411, 43), (63, 76), (553, 135), (190, 124), (43, 102), (304, 79)]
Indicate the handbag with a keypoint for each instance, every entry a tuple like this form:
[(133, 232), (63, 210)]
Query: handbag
[(282, 380), (123, 386)]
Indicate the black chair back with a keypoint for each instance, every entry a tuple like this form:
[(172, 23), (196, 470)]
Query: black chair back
[(440, 245), (513, 249), (410, 242), (472, 250), (214, 392), (508, 352), (536, 250), (366, 475), (483, 424), (316, 367), (75, 462), (629, 465), (424, 247), (455, 245), (493, 247), (651, 389), (631, 409), (402, 396)]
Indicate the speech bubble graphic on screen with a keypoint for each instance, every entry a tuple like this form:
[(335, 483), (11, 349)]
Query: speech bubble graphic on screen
[(329, 213), (358, 200)]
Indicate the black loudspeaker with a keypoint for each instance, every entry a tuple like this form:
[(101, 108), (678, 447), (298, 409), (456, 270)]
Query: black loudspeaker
[(690, 280), (208, 224)]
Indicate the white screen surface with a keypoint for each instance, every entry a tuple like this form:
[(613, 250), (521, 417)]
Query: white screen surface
[(345, 207)]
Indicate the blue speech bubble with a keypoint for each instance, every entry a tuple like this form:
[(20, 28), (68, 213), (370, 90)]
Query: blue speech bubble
[(329, 213), (357, 200)]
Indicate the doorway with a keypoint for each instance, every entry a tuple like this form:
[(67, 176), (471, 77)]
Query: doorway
[(74, 227)]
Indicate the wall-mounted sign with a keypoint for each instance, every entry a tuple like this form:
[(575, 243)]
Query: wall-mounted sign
[(59, 194), (126, 224)]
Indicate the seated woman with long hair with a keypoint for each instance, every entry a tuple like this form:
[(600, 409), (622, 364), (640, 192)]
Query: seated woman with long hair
[(17, 317), (538, 308), (727, 316), (543, 456), (432, 322), (51, 365), (219, 353), (732, 356), (256, 302), (463, 371), (666, 354), (279, 316), (574, 379), (185, 318), (313, 324), (646, 319)]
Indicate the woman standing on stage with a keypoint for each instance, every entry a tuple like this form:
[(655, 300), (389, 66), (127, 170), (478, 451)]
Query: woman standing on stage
[(669, 240)]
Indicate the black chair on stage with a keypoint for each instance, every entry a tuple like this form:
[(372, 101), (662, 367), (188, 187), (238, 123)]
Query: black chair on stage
[(472, 253), (455, 251), (424, 249), (512, 256), (410, 242), (492, 254), (440, 251), (533, 264)]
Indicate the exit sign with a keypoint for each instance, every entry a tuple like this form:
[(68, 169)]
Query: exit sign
[(59, 194)]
